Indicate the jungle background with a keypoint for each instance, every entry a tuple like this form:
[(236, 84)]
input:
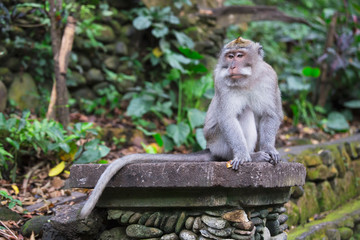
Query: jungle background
[(91, 81)]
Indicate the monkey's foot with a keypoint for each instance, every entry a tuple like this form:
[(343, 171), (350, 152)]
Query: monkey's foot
[(260, 156), (236, 162), (275, 157)]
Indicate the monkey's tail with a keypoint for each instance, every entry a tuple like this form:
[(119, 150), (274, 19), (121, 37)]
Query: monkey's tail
[(119, 163)]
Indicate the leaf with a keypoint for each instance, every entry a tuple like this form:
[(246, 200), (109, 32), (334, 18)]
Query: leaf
[(352, 104), (138, 107), (168, 143), (16, 189), (178, 132), (200, 138), (337, 122), (65, 147), (57, 169), (183, 39), (196, 117), (142, 22), (13, 143), (158, 139), (311, 72), (160, 32), (157, 52), (190, 53)]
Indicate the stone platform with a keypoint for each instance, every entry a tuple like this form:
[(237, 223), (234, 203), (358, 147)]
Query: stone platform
[(194, 200)]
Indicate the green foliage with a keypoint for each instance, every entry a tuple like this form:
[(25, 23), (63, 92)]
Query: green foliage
[(23, 136), (11, 201)]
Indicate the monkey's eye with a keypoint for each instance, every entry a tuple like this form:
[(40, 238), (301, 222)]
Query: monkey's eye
[(239, 55), (230, 55)]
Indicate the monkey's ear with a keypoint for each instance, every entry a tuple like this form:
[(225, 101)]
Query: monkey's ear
[(261, 51)]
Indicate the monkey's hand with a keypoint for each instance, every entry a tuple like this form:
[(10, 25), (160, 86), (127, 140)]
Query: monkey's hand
[(239, 160), (275, 156)]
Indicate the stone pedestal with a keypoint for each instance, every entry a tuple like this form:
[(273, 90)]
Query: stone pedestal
[(194, 200)]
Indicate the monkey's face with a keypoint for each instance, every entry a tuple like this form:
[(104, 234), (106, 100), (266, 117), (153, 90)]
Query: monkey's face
[(238, 61)]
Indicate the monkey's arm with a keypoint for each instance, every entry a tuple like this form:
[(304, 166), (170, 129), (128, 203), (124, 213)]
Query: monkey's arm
[(119, 163)]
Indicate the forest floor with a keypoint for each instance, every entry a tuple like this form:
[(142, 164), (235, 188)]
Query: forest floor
[(40, 193)]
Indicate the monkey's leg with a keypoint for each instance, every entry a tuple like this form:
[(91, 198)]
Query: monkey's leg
[(268, 127), (260, 157)]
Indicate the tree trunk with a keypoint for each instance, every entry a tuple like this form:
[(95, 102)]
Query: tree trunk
[(324, 85), (58, 106)]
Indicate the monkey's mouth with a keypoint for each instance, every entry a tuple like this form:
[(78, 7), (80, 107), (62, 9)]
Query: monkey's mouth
[(236, 76)]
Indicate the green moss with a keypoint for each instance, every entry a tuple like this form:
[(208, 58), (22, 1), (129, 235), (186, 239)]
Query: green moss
[(308, 205), (320, 172), (312, 160), (326, 197), (339, 162), (345, 233), (345, 209), (293, 214)]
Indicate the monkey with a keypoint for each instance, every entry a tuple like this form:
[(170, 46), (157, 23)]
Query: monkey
[(241, 122)]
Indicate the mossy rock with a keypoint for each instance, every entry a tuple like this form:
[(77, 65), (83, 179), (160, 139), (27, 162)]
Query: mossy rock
[(6, 75), (34, 225), (105, 34), (355, 168), (111, 62), (345, 188), (75, 79), (114, 234), (7, 214), (308, 204), (312, 160), (23, 92), (94, 75), (292, 211), (345, 233), (339, 162), (333, 172), (345, 155), (326, 197), (318, 173)]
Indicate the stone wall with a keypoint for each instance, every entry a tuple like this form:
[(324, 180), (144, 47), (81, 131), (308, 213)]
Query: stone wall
[(118, 39), (332, 178), (182, 200)]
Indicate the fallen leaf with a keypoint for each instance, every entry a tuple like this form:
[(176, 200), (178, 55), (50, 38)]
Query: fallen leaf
[(16, 189), (57, 169), (57, 182)]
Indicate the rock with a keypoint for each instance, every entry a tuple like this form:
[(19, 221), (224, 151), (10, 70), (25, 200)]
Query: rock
[(236, 216), (283, 218), (114, 214), (214, 222), (84, 62), (180, 222), (312, 160), (75, 79), (66, 221), (241, 232), (171, 236), (126, 216), (273, 226), (279, 210), (264, 213), (345, 233), (84, 93), (105, 34), (345, 188), (23, 92), (307, 205), (240, 237), (197, 224), (273, 216), (170, 224), (187, 235), (244, 226), (144, 218), (281, 236), (7, 214), (257, 221), (3, 96), (266, 234), (326, 197), (98, 88), (121, 48), (111, 62), (135, 218), (34, 225), (114, 234), (283, 227), (223, 232), (189, 223), (94, 75), (333, 234), (254, 214), (49, 233), (327, 157), (297, 192), (151, 220), (6, 76), (339, 162), (333, 172), (318, 173), (140, 231)]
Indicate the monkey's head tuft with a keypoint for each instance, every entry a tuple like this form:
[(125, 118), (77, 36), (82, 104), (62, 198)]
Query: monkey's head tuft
[(239, 43)]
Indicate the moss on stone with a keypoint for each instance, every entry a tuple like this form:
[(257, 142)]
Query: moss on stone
[(345, 233), (318, 173), (293, 213), (326, 197), (312, 160), (339, 162), (308, 205)]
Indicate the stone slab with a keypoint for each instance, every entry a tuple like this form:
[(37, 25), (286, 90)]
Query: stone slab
[(192, 175)]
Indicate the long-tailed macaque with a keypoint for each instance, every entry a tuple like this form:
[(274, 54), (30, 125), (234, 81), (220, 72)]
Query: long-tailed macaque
[(244, 116)]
